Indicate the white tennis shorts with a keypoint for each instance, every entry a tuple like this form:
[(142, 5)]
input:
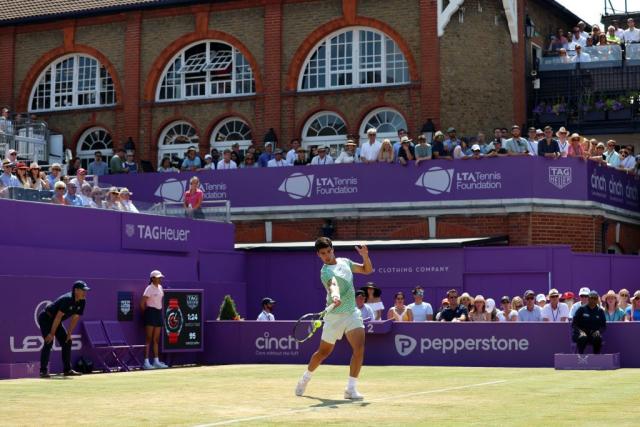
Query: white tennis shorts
[(338, 324)]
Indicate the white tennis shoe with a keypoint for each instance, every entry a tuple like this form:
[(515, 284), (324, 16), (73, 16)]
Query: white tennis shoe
[(159, 365), (147, 365), (352, 394), (301, 386)]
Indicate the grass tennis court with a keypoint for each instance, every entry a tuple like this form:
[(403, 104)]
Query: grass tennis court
[(263, 395)]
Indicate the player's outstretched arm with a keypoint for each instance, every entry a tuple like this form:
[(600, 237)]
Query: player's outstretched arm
[(366, 267)]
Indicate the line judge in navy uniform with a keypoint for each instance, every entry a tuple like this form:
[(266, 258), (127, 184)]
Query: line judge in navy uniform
[(50, 321)]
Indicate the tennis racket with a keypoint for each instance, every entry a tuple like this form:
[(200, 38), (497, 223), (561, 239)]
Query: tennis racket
[(308, 324)]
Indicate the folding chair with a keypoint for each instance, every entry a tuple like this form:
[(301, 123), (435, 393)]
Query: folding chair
[(107, 354), (116, 338)]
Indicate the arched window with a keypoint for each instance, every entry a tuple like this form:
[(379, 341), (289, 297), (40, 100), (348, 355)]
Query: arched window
[(175, 139), (386, 121), (230, 131), (74, 81), (325, 128), (207, 69), (356, 57), (92, 140)]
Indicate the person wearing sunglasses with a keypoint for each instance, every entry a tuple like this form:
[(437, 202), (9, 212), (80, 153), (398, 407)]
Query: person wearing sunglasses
[(530, 312), (588, 324), (627, 161), (59, 190), (584, 299)]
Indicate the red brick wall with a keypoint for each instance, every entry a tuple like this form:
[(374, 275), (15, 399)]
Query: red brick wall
[(7, 53)]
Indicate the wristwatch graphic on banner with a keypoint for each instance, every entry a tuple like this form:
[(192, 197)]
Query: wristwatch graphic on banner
[(173, 321)]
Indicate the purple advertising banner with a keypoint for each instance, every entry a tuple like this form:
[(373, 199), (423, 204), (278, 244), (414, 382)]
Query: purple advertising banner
[(612, 187), (432, 343), (437, 180), (157, 233)]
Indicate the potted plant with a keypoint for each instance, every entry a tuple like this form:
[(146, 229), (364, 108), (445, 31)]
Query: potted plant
[(593, 109), (619, 108), (551, 112), (228, 309)]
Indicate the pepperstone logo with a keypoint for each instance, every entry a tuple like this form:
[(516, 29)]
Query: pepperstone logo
[(405, 344), (436, 180), (172, 190), (297, 185), (560, 177)]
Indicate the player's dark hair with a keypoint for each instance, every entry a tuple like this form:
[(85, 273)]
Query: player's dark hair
[(322, 243)]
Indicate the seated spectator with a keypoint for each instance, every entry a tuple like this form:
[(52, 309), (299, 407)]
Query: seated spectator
[(567, 298), (365, 311), (267, 156), (479, 312), (37, 179), (507, 314), (555, 311), (370, 149), (79, 180), (59, 190), (421, 311), (624, 300), (166, 166), (98, 167), (117, 162), (598, 155), (373, 294), (130, 163), (443, 304), (399, 312), (541, 300), (588, 324), (461, 151), (267, 310), (530, 312), (72, 197), (422, 150), (491, 309), (632, 312), (406, 152), (611, 155), (558, 41), (209, 164), (279, 160), (563, 57), (580, 55), (322, 158), (595, 35), (227, 163), (192, 161), (612, 312), (627, 161), (249, 161), (575, 146), (517, 303), (602, 40), (55, 175), (85, 195), (454, 312), (385, 155), (73, 166), (125, 201), (97, 198), (22, 175), (113, 200), (612, 37), (584, 299), (466, 300), (497, 150), (516, 145), (348, 154), (193, 198)]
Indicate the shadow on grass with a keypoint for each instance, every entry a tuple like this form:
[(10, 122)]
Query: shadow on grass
[(335, 403)]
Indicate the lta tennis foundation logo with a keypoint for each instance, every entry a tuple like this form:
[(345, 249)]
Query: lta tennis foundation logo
[(436, 180), (171, 190), (297, 185)]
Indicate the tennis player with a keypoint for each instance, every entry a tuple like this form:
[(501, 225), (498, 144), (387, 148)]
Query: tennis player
[(345, 319)]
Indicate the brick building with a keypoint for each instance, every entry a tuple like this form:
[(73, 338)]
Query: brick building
[(170, 74)]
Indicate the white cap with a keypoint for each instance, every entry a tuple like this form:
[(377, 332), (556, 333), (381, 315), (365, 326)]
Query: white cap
[(155, 273), (540, 297), (372, 131), (490, 304), (475, 147), (584, 292)]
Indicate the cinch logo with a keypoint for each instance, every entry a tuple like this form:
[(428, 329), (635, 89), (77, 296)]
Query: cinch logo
[(405, 345), (559, 177), (171, 190), (297, 185), (436, 180), (268, 342)]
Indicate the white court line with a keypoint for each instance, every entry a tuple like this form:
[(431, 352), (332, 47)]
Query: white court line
[(382, 399)]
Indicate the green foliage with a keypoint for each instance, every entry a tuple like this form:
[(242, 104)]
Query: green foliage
[(228, 309)]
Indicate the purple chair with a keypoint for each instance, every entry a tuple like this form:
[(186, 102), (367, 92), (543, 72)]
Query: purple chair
[(116, 338), (108, 355)]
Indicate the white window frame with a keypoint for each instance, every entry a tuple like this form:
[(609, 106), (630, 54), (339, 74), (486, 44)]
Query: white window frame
[(75, 92), (208, 67), (86, 156), (223, 145), (334, 142), (355, 62), (392, 136), (178, 149)]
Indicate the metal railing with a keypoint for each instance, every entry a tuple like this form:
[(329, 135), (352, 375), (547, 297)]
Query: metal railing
[(213, 210), (28, 137)]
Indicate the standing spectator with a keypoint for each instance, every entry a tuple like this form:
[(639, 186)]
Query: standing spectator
[(402, 133), (226, 162), (479, 312), (125, 201), (208, 163), (612, 312), (235, 158), (584, 299), (507, 314), (385, 155), (532, 141), (249, 161), (113, 200), (59, 189), (72, 197), (577, 39), (151, 305), (530, 312), (541, 300), (166, 166), (548, 146), (117, 162), (130, 163), (563, 142), (369, 150), (406, 152), (22, 175), (268, 155), (452, 141), (627, 161), (348, 154), (79, 180), (193, 199), (611, 155), (373, 294), (215, 158), (278, 160), (454, 312), (438, 149), (235, 150), (399, 312), (293, 152), (36, 179), (366, 312), (575, 147), (421, 311), (624, 299), (322, 158), (422, 150), (267, 310), (612, 37), (631, 34), (98, 167), (516, 145), (192, 161), (555, 311), (6, 125), (73, 167), (588, 325), (497, 137), (632, 312)]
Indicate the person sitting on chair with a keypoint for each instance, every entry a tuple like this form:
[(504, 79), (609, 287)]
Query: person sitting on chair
[(588, 324)]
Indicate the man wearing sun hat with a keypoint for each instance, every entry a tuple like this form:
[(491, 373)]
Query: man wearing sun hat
[(584, 299), (563, 141), (7, 178), (555, 311), (322, 158)]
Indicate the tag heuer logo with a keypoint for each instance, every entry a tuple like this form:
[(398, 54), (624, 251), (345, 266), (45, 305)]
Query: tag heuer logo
[(125, 306), (559, 177), (193, 301), (130, 230)]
